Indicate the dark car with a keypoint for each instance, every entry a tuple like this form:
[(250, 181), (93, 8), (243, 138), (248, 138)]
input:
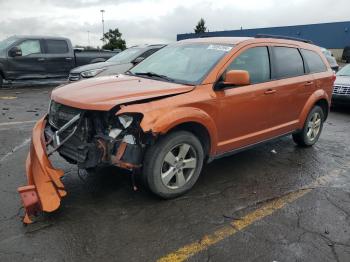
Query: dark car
[(330, 58), (117, 64), (43, 57), (346, 54), (341, 90)]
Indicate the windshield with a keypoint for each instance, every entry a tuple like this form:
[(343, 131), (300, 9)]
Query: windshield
[(183, 63), (345, 71), (7, 42), (126, 56)]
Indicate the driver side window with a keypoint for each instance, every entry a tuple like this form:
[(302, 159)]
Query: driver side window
[(29, 47), (254, 60)]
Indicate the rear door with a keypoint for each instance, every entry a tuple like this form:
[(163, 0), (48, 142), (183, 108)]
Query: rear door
[(31, 65), (59, 59), (293, 87)]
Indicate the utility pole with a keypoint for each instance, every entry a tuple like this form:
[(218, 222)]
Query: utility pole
[(88, 37), (103, 26)]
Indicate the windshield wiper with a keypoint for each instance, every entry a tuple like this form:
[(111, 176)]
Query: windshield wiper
[(128, 73), (151, 74)]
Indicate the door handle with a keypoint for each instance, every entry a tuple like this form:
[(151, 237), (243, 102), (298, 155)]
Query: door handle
[(41, 59), (270, 91), (69, 58), (309, 83)]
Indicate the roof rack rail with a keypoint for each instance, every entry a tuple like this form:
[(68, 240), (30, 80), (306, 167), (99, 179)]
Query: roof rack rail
[(283, 37)]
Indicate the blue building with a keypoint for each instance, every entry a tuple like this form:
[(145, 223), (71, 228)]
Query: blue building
[(334, 36)]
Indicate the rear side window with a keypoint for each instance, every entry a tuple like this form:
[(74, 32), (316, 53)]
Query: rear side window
[(256, 61), (288, 62), (57, 47), (313, 61)]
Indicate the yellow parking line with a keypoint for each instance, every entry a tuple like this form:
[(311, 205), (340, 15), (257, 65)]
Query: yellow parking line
[(235, 226), (8, 97)]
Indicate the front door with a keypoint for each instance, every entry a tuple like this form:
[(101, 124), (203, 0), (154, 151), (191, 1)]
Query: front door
[(245, 111), (31, 64)]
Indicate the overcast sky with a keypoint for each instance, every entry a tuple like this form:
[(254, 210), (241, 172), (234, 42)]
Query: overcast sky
[(158, 21)]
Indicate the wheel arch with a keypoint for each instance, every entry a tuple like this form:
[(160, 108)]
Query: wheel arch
[(320, 98), (199, 131), (2, 71), (193, 120), (323, 103), (2, 78)]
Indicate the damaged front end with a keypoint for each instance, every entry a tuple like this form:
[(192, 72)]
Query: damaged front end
[(86, 138)]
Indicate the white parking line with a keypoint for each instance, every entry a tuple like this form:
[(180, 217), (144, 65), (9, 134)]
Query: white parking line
[(16, 148), (17, 123)]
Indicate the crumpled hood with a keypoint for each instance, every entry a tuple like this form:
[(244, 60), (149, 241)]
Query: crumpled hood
[(103, 93)]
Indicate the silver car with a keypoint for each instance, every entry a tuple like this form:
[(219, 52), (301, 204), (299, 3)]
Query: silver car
[(117, 64), (341, 91)]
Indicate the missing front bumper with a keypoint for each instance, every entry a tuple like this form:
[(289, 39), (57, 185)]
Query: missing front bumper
[(45, 189)]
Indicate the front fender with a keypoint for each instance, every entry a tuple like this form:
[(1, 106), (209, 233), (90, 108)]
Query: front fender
[(313, 99), (163, 122)]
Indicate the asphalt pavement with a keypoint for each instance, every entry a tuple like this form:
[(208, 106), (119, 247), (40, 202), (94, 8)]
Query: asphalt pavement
[(275, 202)]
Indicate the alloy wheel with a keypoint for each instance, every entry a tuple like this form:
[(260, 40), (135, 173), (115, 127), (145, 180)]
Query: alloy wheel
[(314, 126), (178, 166)]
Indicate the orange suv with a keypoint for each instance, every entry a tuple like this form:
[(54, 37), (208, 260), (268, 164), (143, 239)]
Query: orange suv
[(190, 103)]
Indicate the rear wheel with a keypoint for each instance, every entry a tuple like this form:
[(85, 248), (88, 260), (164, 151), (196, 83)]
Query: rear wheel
[(1, 81), (311, 131), (172, 166)]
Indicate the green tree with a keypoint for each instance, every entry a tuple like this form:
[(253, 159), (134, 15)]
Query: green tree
[(200, 27), (114, 40)]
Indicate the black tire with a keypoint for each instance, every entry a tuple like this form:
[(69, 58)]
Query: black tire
[(1, 81), (303, 138), (154, 164)]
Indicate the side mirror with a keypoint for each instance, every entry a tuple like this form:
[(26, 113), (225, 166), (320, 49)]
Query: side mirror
[(234, 78), (138, 60), (15, 51), (78, 49)]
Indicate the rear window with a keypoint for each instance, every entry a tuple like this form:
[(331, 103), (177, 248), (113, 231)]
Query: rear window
[(149, 52), (288, 62), (313, 61), (57, 46)]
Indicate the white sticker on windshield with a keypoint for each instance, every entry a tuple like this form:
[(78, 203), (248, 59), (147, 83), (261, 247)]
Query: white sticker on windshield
[(224, 48)]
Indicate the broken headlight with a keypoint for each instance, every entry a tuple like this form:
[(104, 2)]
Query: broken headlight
[(125, 120)]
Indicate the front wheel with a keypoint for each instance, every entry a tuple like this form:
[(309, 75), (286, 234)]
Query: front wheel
[(1, 81), (311, 131), (172, 166)]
